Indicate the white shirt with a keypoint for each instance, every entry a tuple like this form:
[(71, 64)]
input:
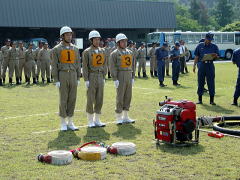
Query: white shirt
[(182, 49)]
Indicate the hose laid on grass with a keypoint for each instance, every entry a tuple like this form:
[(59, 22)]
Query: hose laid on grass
[(219, 123), (219, 127)]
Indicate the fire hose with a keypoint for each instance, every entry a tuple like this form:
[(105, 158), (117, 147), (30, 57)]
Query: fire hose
[(220, 122)]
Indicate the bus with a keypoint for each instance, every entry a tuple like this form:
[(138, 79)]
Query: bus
[(227, 42)]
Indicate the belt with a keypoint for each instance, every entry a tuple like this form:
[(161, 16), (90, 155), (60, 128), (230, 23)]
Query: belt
[(67, 70), (207, 62), (97, 71)]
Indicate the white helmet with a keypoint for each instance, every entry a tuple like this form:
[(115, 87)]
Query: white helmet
[(65, 29), (120, 37), (94, 34)]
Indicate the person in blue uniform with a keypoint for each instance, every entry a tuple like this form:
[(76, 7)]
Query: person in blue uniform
[(206, 67), (161, 55), (236, 60), (175, 56)]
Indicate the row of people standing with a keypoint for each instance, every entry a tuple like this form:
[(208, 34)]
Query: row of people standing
[(161, 57), (67, 73), (19, 60)]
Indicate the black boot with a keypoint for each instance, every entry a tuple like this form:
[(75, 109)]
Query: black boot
[(43, 80), (3, 80), (151, 72), (175, 83), (26, 78), (235, 103), (10, 81), (199, 100), (109, 75), (144, 75), (20, 80), (161, 84), (186, 70), (212, 100), (1, 84), (155, 74), (17, 81), (48, 80), (28, 81), (139, 74), (51, 78), (34, 81), (167, 72)]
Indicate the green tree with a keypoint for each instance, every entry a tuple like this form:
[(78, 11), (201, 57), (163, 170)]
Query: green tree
[(224, 12), (232, 27), (187, 24), (199, 12)]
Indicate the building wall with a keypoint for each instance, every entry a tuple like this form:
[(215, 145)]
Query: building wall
[(52, 34)]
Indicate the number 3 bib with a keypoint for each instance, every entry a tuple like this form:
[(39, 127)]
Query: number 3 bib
[(126, 60), (68, 56), (97, 60)]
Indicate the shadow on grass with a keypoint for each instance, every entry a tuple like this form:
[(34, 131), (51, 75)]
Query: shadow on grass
[(184, 151), (181, 87), (217, 108), (127, 131), (96, 134), (8, 86), (64, 140)]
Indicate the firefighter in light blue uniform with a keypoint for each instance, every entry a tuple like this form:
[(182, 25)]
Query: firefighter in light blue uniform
[(206, 68), (175, 56), (161, 55), (236, 60)]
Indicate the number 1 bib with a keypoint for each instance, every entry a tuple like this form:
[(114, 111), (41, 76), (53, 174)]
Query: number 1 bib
[(68, 56)]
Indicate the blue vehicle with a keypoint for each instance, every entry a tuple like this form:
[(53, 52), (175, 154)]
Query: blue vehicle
[(227, 42)]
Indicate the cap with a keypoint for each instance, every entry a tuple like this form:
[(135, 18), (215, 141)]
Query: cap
[(209, 36)]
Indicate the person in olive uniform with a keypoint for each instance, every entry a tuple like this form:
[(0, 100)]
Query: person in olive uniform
[(94, 72), (121, 60), (5, 64), (66, 73)]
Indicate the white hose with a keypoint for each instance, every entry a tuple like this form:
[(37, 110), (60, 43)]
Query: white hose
[(61, 157), (125, 148)]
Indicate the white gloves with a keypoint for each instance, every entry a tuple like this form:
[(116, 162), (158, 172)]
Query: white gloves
[(58, 84), (87, 84), (116, 83), (133, 81), (78, 82)]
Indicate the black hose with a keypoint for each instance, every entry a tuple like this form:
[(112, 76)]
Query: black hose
[(219, 127), (231, 117)]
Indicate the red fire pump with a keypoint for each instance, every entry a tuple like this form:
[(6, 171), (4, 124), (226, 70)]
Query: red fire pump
[(176, 122)]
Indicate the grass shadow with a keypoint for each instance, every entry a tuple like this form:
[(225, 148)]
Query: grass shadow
[(184, 151), (217, 108), (64, 140), (8, 86), (127, 131), (96, 134), (182, 87)]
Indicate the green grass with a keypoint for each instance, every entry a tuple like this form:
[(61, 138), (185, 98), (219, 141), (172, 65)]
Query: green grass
[(23, 134)]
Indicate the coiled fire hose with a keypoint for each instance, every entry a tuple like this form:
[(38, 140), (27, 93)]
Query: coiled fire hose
[(119, 148), (219, 123)]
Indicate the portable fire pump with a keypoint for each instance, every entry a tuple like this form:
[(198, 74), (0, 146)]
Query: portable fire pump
[(176, 122)]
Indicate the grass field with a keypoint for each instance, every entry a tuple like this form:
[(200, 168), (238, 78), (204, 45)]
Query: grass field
[(29, 126)]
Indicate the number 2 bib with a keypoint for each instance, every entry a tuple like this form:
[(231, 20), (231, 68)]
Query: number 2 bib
[(97, 60), (68, 56)]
